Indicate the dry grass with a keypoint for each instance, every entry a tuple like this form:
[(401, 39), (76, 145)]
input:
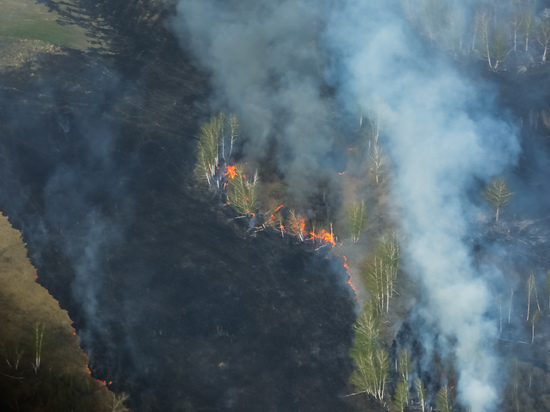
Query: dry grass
[(26, 19), (28, 28), (24, 304)]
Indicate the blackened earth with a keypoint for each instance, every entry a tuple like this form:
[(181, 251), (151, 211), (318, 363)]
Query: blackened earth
[(175, 302)]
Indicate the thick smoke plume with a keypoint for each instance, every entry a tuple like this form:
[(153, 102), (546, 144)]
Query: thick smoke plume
[(269, 61)]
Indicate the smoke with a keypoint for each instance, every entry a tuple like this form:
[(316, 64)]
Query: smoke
[(443, 135), (270, 61), (264, 64)]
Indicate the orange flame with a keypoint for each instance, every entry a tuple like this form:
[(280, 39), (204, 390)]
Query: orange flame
[(341, 173), (349, 275), (276, 210), (326, 237), (231, 172)]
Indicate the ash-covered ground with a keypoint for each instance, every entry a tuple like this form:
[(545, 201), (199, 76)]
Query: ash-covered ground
[(174, 302)]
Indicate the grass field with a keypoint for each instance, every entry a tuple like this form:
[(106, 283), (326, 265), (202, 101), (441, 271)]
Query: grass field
[(31, 318), (26, 19)]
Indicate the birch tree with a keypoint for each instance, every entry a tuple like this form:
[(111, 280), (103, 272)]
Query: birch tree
[(421, 393), (208, 149), (297, 225), (527, 26), (483, 36), (497, 195), (532, 291), (371, 361), (401, 396), (443, 402), (534, 319), (543, 37), (234, 131), (242, 194), (405, 366), (376, 154), (38, 343), (357, 218)]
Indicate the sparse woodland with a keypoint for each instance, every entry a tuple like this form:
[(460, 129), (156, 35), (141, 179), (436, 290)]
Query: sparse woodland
[(511, 35)]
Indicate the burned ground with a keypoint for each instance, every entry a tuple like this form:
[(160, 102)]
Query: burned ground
[(175, 303)]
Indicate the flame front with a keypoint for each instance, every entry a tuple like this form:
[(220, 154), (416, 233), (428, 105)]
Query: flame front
[(231, 172), (349, 275)]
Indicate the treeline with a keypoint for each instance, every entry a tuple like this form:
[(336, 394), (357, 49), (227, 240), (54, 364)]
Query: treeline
[(490, 30)]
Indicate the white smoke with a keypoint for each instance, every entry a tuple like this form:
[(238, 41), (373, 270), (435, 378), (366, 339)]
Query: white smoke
[(442, 133)]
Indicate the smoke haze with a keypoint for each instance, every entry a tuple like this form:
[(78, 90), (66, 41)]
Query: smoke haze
[(270, 63)]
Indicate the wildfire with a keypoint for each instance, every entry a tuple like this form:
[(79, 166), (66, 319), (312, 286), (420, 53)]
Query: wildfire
[(341, 173), (231, 172), (349, 275), (323, 235)]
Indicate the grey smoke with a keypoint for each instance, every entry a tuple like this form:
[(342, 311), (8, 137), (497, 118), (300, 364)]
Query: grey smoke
[(264, 65), (442, 131)]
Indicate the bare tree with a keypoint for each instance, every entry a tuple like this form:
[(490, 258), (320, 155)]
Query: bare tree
[(515, 21), (38, 342), (510, 308), (534, 319), (234, 131), (527, 26), (118, 403), (297, 225)]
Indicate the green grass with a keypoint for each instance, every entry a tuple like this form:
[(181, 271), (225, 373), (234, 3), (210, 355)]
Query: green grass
[(26, 19)]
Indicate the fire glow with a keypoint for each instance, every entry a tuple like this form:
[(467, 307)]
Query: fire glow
[(231, 172)]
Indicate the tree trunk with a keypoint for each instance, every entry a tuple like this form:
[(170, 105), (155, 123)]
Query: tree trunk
[(528, 302), (510, 310)]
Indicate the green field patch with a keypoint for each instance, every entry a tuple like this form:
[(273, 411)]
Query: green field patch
[(26, 19)]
